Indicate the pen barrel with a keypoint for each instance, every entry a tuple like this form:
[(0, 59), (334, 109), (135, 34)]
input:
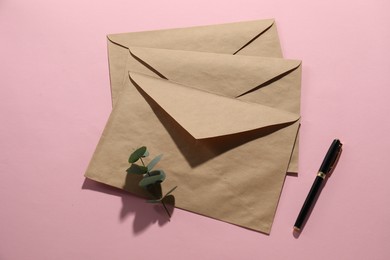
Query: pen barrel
[(315, 188)]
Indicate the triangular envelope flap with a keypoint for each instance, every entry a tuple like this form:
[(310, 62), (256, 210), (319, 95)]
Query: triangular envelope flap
[(206, 115), (222, 38), (229, 75)]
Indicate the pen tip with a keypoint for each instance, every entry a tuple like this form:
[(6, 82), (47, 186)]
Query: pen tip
[(296, 229)]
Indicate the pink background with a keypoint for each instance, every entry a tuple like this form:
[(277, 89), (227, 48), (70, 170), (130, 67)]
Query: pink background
[(55, 100)]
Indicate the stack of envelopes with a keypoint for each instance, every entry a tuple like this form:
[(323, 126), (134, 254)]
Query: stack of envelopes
[(222, 106)]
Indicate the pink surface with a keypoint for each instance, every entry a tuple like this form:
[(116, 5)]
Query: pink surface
[(55, 100)]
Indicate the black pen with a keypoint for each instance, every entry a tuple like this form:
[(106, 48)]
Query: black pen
[(326, 167)]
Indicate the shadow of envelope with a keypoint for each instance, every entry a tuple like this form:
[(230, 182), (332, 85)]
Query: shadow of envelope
[(226, 124)]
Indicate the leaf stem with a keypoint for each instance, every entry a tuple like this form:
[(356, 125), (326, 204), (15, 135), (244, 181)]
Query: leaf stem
[(147, 172), (142, 162), (166, 209)]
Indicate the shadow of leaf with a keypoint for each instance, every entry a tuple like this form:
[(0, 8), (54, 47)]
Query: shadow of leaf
[(145, 214)]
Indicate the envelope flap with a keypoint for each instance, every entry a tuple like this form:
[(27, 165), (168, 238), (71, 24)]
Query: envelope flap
[(222, 38), (206, 115), (229, 75)]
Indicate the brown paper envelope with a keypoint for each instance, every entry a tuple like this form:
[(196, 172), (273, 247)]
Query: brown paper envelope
[(257, 38), (231, 163), (196, 110), (233, 76), (245, 77)]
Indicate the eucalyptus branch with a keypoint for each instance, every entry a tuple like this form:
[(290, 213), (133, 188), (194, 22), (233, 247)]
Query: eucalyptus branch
[(152, 179)]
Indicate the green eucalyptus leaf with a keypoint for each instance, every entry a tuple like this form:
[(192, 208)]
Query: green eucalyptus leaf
[(154, 162), (154, 201), (154, 190), (153, 177), (137, 169), (146, 154), (137, 154), (158, 173)]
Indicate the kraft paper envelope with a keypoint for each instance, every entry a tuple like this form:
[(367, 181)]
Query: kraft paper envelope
[(226, 125), (257, 38)]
